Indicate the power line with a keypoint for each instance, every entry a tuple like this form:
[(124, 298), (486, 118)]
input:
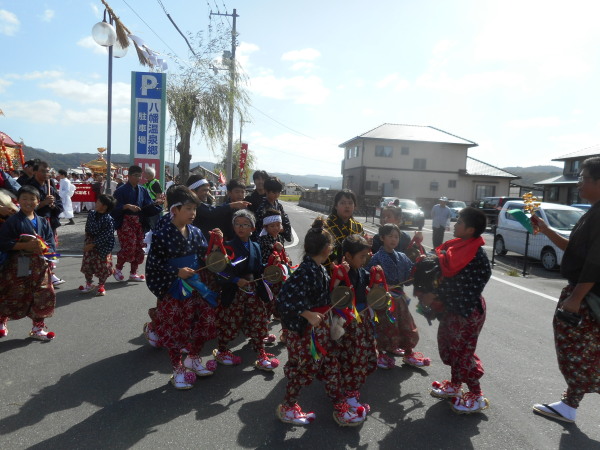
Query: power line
[(177, 28), (283, 125)]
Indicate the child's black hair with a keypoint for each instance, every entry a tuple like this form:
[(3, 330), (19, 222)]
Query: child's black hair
[(233, 184), (387, 229), (260, 174), (63, 172), (473, 218), (354, 244), (396, 211), (109, 201), (28, 189), (317, 238), (273, 184), (344, 193), (181, 194), (134, 169)]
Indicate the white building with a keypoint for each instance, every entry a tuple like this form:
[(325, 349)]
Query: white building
[(420, 163)]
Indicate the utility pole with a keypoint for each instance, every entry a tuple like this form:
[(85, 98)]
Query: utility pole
[(229, 156)]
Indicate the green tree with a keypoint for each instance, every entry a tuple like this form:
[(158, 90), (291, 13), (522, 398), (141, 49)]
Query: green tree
[(246, 174), (199, 96)]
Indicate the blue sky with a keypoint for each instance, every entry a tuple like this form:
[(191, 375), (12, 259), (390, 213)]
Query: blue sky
[(520, 78)]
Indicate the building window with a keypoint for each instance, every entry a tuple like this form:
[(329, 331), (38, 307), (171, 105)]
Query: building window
[(420, 164), (383, 151), (348, 153), (451, 183), (573, 196), (350, 183), (485, 190), (434, 186), (356, 151), (575, 166), (551, 194), (395, 184), (371, 186), (404, 151)]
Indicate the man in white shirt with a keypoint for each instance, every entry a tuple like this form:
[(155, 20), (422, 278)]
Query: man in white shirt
[(66, 189), (440, 221)]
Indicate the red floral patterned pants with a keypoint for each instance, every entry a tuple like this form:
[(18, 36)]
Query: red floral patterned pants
[(457, 340), (247, 314), (187, 323), (357, 354), (131, 238), (402, 332), (578, 352), (301, 368), (94, 264)]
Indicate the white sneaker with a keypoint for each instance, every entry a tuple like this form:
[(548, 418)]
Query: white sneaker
[(150, 335), (118, 275), (470, 403), (445, 389), (41, 334), (294, 415), (87, 288), (195, 365), (182, 379), (344, 416)]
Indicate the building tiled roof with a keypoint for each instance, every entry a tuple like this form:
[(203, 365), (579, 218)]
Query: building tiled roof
[(419, 133), (479, 168), (589, 151), (560, 179)]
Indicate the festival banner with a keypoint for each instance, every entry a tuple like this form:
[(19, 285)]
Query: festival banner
[(243, 156), (83, 193)]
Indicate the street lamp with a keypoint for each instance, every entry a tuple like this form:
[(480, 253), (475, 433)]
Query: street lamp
[(105, 35)]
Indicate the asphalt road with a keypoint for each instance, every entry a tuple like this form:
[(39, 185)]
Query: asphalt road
[(99, 385)]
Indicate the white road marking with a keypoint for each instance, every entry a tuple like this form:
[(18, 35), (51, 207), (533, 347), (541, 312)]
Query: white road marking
[(295, 239), (531, 291)]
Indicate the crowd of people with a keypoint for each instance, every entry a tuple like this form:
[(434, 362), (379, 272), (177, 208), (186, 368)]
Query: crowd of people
[(220, 270)]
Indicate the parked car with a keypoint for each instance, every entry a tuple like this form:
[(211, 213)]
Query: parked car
[(511, 235), (491, 206), (582, 206), (412, 215), (455, 207)]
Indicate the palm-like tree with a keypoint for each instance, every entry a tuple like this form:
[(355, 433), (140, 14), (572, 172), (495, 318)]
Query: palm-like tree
[(199, 98)]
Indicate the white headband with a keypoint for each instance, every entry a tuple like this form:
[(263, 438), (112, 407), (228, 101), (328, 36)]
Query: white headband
[(174, 206), (271, 219), (198, 183)]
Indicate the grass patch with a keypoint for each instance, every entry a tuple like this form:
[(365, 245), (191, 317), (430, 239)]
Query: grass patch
[(513, 273), (290, 198)]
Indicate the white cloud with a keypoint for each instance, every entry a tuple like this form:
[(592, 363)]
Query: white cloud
[(307, 54), (9, 23), (242, 54), (95, 10), (394, 81), (35, 75), (90, 92), (307, 90), (4, 84), (88, 42), (305, 66), (47, 16), (97, 116), (470, 82), (39, 111), (535, 122)]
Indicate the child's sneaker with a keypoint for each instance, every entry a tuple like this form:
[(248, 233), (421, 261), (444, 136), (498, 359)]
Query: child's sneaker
[(137, 278), (182, 379), (470, 403), (101, 291), (385, 362), (344, 416), (3, 328), (270, 339), (195, 365), (416, 359), (118, 275), (445, 389), (399, 351), (150, 335), (352, 398), (265, 363), (294, 415), (89, 287), (41, 334), (226, 358)]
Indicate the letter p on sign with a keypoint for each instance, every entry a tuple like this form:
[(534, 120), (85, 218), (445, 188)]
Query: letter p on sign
[(148, 82)]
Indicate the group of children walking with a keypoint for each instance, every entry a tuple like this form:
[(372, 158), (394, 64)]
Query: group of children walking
[(196, 305)]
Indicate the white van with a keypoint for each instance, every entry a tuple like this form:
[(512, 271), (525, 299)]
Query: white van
[(511, 235)]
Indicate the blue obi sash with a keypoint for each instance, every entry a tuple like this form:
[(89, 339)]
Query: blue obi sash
[(182, 289)]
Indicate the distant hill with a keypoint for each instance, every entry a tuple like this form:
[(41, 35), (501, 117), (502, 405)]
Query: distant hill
[(68, 160), (533, 174)]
